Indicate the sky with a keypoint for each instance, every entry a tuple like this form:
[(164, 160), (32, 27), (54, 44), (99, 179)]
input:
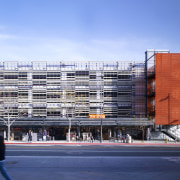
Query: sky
[(87, 30)]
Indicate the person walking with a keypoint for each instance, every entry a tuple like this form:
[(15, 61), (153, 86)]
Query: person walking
[(2, 160), (44, 135), (29, 136), (92, 139)]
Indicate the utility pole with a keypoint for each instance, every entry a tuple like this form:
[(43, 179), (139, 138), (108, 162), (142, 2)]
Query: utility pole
[(71, 96), (101, 105), (69, 131)]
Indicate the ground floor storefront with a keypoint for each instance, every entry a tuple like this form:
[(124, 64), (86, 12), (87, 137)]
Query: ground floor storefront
[(77, 133)]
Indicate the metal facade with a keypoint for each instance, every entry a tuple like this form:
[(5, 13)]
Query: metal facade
[(53, 91)]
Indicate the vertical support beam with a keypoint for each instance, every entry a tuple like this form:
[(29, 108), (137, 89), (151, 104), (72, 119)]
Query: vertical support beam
[(102, 97), (101, 130), (114, 133), (69, 130), (79, 131), (146, 83)]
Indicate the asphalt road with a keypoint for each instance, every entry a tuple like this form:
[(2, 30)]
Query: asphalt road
[(92, 162), (59, 150)]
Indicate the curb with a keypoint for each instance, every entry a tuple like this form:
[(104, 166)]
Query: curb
[(93, 144)]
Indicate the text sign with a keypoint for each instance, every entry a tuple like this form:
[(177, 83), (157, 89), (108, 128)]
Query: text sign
[(97, 116)]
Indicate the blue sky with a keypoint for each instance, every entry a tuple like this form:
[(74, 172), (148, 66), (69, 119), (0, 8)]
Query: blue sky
[(87, 30)]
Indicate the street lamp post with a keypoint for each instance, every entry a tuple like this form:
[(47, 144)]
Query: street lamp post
[(79, 131), (69, 130), (43, 125), (101, 129), (117, 125), (101, 106)]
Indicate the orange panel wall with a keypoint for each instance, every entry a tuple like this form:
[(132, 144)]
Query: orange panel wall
[(167, 89)]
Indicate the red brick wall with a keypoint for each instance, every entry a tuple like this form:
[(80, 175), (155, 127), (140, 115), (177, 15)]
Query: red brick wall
[(167, 88)]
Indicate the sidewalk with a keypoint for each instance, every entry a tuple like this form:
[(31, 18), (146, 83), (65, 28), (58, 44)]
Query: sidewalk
[(64, 142)]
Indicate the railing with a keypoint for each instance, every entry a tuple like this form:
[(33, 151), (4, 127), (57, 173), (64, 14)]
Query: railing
[(151, 92), (151, 70), (151, 109)]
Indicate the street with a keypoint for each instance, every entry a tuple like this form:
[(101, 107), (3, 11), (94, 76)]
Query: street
[(71, 162)]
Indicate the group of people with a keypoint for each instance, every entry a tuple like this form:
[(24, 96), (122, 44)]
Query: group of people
[(30, 135), (124, 139)]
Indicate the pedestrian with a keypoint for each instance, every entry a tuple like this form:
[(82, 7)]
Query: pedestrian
[(29, 136), (44, 135), (77, 138), (127, 138), (92, 139), (123, 138), (2, 160)]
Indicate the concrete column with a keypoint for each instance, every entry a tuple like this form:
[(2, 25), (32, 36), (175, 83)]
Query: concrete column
[(114, 133), (78, 131)]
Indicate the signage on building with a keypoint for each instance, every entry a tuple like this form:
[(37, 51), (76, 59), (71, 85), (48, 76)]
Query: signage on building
[(97, 116)]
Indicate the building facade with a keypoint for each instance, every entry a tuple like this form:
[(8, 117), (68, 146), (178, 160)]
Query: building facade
[(163, 93), (151, 87), (163, 88), (85, 97)]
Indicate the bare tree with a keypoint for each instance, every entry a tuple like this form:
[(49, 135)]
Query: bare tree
[(9, 109), (75, 105), (68, 103), (81, 104), (81, 108), (140, 125)]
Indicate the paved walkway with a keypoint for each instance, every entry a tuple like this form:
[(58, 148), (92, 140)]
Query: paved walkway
[(61, 142)]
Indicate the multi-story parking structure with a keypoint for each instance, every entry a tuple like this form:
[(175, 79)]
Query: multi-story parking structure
[(86, 97)]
